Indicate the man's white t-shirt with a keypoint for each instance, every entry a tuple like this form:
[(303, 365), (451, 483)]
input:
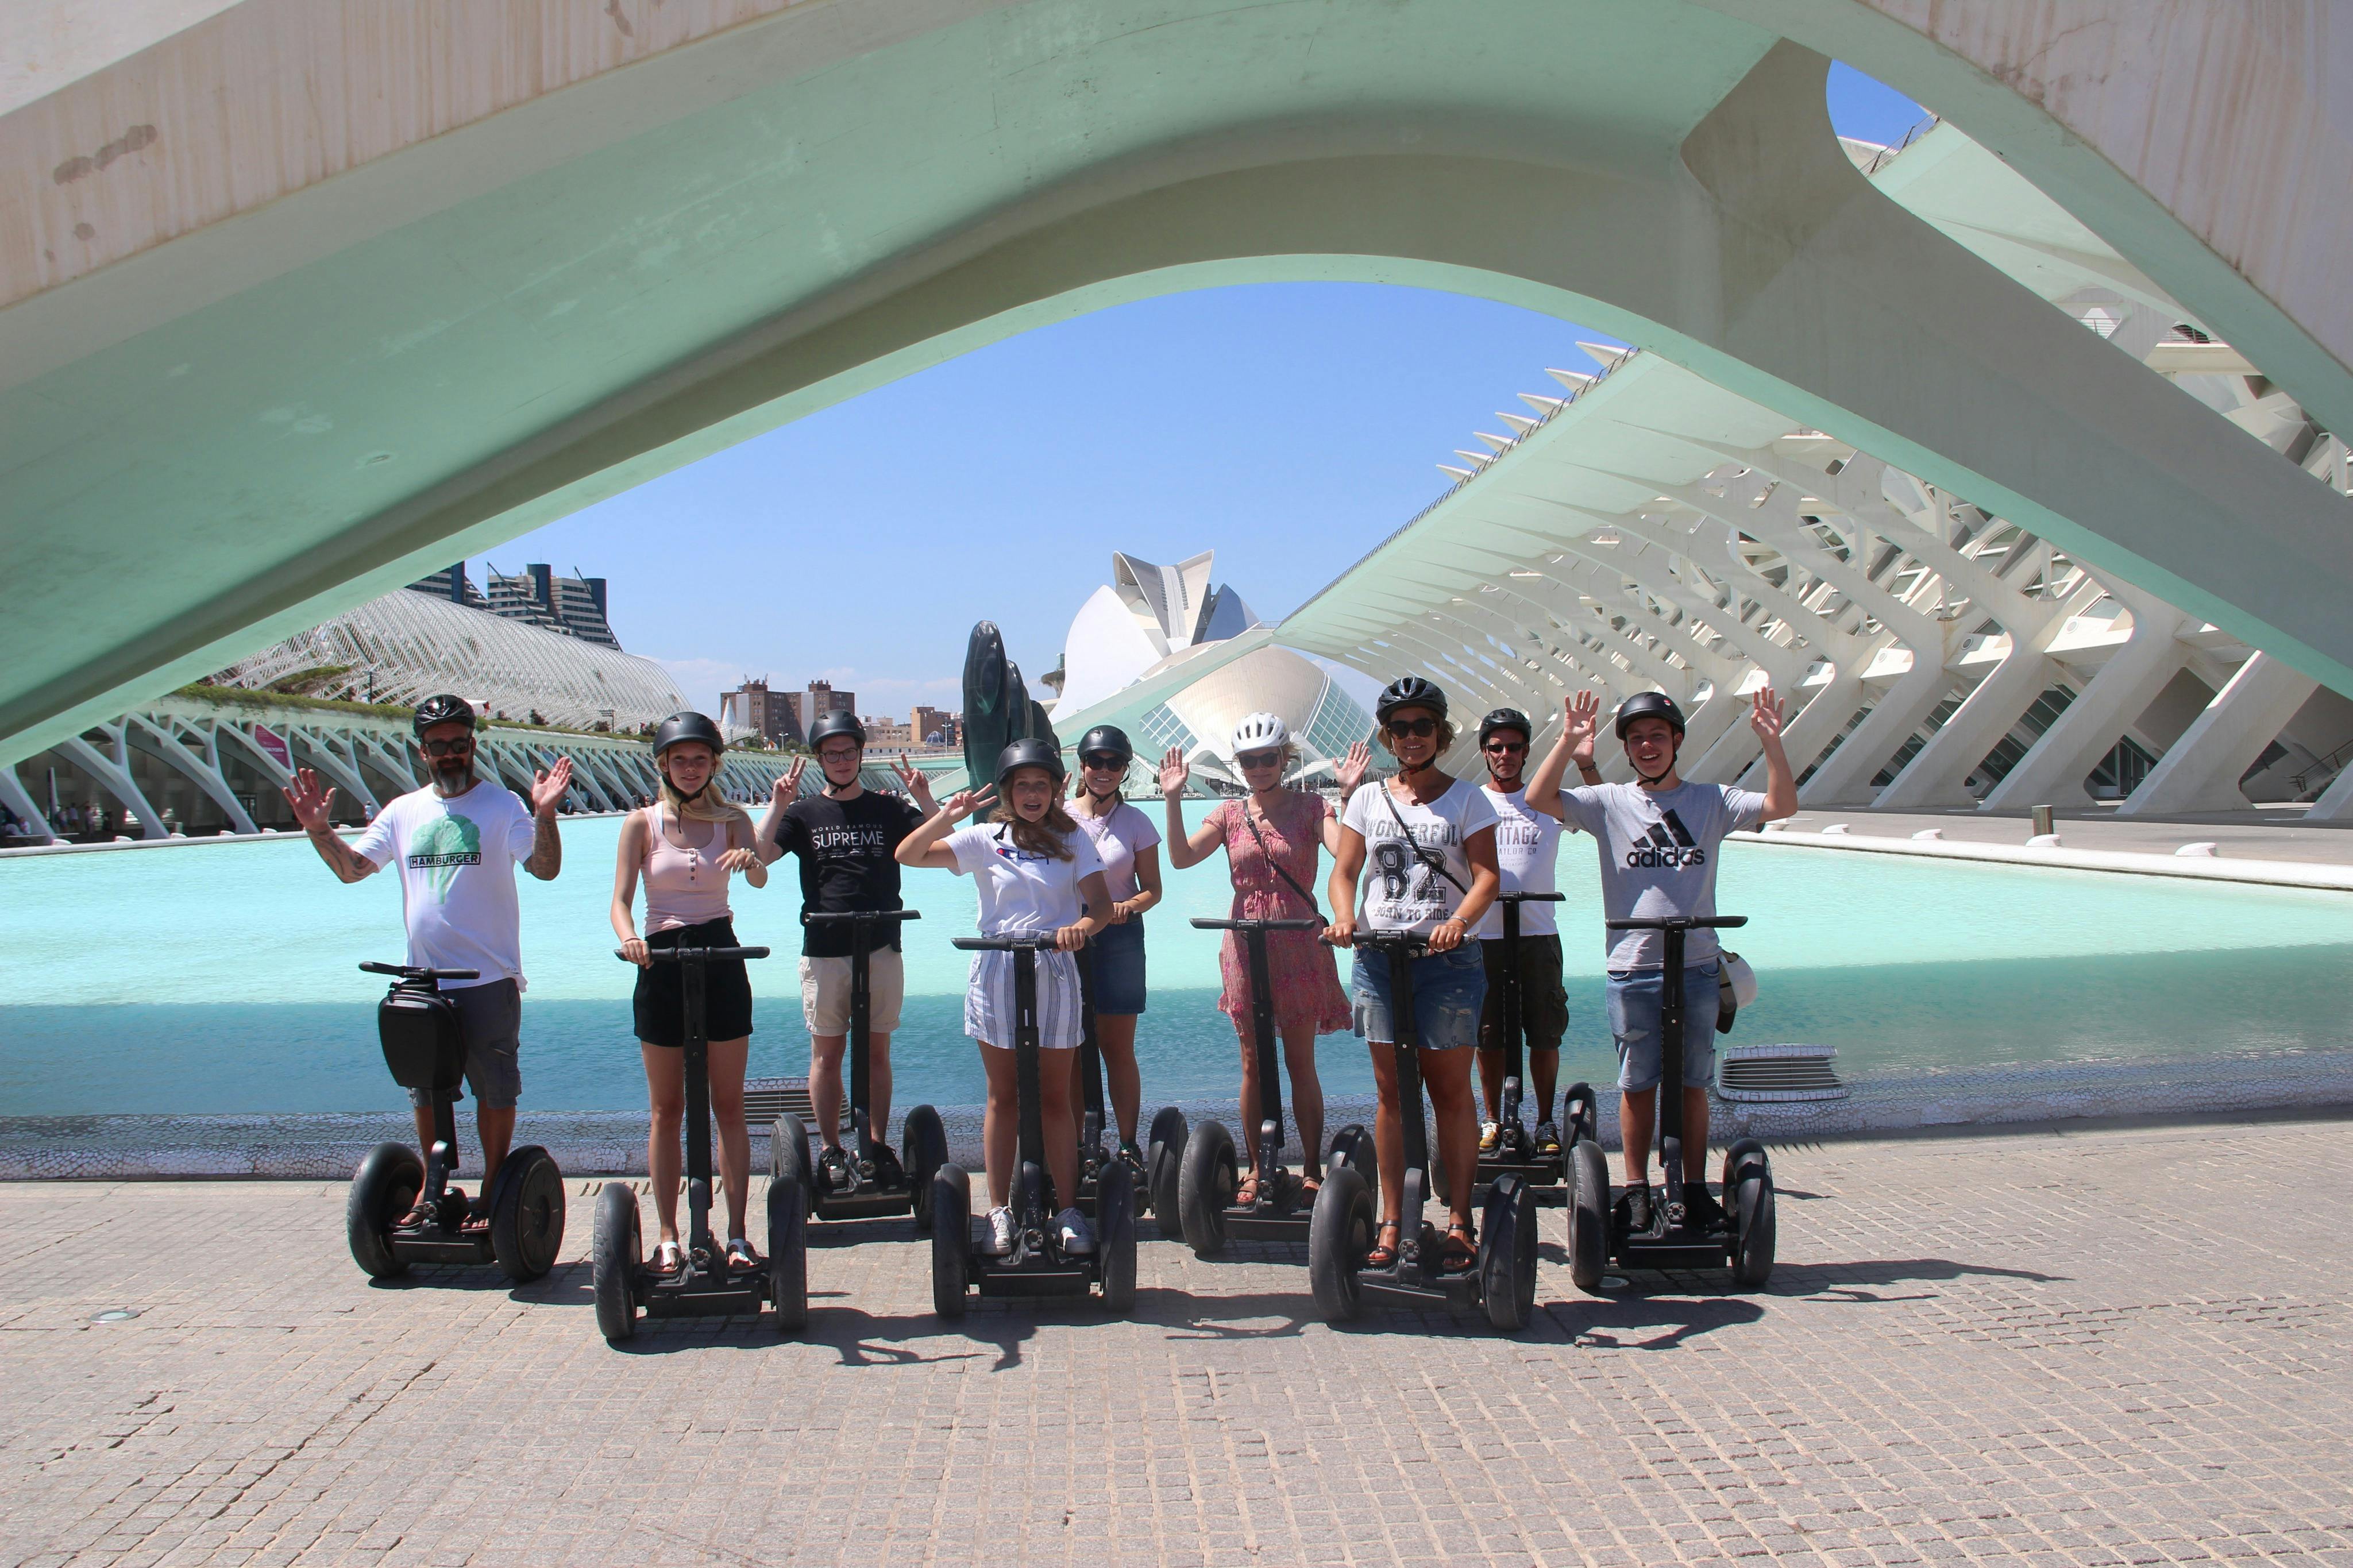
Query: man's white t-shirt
[(457, 858), (1022, 893), (1659, 853), (1527, 854), (1118, 840), (1402, 891)]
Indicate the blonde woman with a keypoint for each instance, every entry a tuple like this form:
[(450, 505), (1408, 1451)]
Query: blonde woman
[(685, 846)]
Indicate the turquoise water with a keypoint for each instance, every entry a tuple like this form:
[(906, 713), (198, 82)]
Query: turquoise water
[(220, 978)]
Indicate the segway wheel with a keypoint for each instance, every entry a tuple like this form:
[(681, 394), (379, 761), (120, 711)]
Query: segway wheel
[(1204, 1188), (1353, 1146), (788, 1255), (1507, 1257), (1339, 1234), (1743, 1152), (951, 1239), (788, 1155), (615, 1252), (383, 1188), (1589, 1214), (1751, 1205), (1163, 1154), (527, 1214), (925, 1145), (1116, 1236), (1584, 1119)]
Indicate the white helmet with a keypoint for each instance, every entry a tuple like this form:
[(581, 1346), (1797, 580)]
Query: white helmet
[(1260, 730)]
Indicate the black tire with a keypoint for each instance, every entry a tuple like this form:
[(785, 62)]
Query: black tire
[(1588, 1215), (924, 1142), (1751, 1205), (787, 1255), (383, 1189), (615, 1252), (1743, 1152), (1206, 1184), (1585, 1122), (1339, 1234), (1163, 1156), (527, 1214), (951, 1208), (1116, 1236), (1506, 1271), (1353, 1146), (788, 1155)]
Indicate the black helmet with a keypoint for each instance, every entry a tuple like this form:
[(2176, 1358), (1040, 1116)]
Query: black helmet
[(836, 721), (1106, 738), (1505, 719), (1410, 691), (1650, 705), (443, 710), (688, 727), (1031, 753)]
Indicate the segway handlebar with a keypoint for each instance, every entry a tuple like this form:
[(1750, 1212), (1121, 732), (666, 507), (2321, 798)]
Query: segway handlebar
[(1205, 923), (1411, 943), (678, 954), (1678, 922), (410, 972), (1046, 943), (1530, 897), (838, 917)]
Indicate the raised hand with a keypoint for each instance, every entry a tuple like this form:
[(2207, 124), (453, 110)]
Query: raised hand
[(918, 784), (787, 789), (967, 800), (310, 803), (1352, 769), (1764, 715), (547, 787), (1174, 773), (1582, 715)]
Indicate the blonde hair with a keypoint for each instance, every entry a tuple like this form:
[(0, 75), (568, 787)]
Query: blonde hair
[(705, 805)]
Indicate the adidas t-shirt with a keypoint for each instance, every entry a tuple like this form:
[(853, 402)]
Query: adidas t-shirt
[(1657, 859), (457, 858)]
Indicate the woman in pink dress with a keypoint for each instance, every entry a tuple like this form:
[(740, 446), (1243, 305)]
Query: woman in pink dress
[(1272, 841)]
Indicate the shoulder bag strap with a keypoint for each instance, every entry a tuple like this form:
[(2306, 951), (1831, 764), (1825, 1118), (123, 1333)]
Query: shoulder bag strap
[(1279, 868), (1422, 852)]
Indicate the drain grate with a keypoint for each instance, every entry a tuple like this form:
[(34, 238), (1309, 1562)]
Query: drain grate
[(765, 1099), (1783, 1072)]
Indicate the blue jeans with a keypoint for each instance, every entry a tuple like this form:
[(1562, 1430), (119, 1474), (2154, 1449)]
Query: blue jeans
[(1634, 1002), (1447, 989)]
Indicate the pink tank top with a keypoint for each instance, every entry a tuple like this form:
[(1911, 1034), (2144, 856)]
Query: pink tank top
[(685, 887)]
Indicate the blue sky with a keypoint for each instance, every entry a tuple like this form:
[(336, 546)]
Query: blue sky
[(1288, 427)]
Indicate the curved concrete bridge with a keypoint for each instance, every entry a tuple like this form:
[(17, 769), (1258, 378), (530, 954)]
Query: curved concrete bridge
[(300, 300)]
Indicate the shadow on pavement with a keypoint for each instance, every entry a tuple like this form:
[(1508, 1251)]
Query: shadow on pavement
[(1850, 1281)]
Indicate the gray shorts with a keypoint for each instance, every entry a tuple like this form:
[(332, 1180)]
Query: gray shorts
[(490, 1017), (1634, 999)]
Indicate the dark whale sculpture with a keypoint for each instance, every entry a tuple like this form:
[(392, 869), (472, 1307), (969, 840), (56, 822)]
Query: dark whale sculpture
[(997, 708)]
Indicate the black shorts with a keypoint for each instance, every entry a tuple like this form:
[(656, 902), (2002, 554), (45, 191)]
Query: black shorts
[(661, 1002), (1544, 1004)]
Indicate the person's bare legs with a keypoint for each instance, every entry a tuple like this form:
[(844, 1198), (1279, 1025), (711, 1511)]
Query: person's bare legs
[(1388, 1131), (1491, 1080), (1636, 1107), (726, 1068), (877, 1087), (1546, 1059), (1250, 1096), (1115, 1038), (495, 1127), (1447, 1076), (1001, 1125), (1061, 1126), (1307, 1094), (666, 1099), (824, 1086)]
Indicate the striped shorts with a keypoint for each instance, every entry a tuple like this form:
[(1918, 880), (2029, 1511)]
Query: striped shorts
[(988, 1000)]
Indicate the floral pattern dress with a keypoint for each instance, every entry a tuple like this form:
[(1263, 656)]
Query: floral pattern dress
[(1304, 975)]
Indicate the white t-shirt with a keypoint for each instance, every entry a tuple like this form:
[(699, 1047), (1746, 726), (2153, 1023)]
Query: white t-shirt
[(1527, 853), (457, 877), (1022, 894), (1401, 892), (1117, 839)]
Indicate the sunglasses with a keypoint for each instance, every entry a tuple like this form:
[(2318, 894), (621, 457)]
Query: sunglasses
[(1104, 762), (457, 747), (1504, 748), (1412, 728), (1257, 759)]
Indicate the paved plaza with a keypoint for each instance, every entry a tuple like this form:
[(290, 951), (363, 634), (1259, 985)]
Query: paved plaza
[(2116, 1346)]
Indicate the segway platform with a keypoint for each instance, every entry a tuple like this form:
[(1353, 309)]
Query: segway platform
[(426, 1050)]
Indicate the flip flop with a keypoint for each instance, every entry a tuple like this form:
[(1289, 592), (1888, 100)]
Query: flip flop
[(1460, 1253), (669, 1258), (741, 1259), (1384, 1255)]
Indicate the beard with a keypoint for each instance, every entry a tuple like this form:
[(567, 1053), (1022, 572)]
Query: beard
[(454, 775)]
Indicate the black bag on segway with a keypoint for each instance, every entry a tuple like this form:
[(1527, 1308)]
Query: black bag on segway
[(423, 1044)]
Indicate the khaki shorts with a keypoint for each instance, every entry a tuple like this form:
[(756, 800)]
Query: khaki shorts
[(825, 992)]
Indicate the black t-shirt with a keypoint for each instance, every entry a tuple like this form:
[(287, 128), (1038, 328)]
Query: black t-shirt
[(846, 864)]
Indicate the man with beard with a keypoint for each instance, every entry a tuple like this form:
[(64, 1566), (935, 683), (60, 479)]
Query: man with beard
[(458, 840)]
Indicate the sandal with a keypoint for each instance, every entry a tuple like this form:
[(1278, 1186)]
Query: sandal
[(740, 1255), (1247, 1194), (1308, 1188), (1383, 1254), (418, 1218), (669, 1258), (1460, 1253)]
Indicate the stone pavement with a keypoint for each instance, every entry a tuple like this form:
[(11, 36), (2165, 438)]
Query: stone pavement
[(2116, 1345)]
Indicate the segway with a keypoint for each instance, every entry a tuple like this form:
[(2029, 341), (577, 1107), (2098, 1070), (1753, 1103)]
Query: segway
[(1347, 1218), (1599, 1231), (1516, 1146), (878, 1183), (1036, 1265), (702, 1285), (425, 1049), (1208, 1178), (1155, 1184)]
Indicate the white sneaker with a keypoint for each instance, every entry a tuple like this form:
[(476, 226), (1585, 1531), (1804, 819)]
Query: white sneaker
[(1073, 1235), (1000, 1231)]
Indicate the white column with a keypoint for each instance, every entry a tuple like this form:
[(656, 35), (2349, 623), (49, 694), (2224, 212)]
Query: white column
[(2200, 771), (2052, 770), (1938, 772), (114, 777), (2336, 802), (1845, 778)]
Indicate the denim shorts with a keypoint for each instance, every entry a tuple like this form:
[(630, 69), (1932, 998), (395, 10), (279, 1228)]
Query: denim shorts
[(490, 1020), (1118, 955), (1634, 998), (1448, 991)]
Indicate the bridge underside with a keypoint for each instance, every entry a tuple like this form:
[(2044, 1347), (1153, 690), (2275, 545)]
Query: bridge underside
[(313, 346)]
